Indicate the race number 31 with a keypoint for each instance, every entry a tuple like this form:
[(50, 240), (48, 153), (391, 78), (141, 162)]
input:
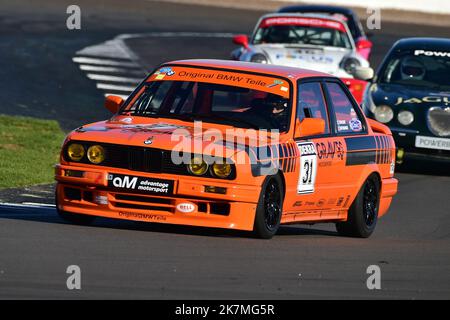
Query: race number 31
[(308, 167)]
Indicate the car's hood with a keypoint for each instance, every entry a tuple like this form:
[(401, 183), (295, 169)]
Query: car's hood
[(171, 134), (324, 59), (414, 98)]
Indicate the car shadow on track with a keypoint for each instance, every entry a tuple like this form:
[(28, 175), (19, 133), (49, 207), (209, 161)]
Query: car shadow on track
[(49, 215)]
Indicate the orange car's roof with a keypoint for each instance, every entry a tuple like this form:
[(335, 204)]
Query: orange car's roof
[(296, 73)]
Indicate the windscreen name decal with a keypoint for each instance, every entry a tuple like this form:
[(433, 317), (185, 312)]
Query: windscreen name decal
[(432, 53), (263, 83)]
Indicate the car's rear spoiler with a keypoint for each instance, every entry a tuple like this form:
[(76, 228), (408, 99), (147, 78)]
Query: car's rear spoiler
[(378, 127)]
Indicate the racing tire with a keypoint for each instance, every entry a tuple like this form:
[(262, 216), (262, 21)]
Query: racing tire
[(75, 218), (363, 213), (269, 209)]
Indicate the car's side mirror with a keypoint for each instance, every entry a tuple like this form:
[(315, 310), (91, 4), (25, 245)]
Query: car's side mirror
[(363, 73), (241, 40), (113, 103), (309, 127), (363, 44)]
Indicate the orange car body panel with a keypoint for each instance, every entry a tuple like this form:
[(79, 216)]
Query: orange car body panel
[(341, 168)]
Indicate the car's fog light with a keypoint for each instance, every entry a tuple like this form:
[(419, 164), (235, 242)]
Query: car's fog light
[(74, 173), (213, 189)]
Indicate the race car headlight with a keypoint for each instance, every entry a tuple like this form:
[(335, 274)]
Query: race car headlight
[(75, 152), (383, 114), (96, 154), (405, 117), (221, 170), (198, 166), (350, 64), (258, 58)]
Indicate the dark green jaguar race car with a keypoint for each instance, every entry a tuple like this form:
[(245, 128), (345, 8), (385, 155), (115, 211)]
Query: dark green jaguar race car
[(411, 94)]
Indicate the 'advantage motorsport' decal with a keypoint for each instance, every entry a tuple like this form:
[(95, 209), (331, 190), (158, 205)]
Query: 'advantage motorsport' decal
[(140, 184)]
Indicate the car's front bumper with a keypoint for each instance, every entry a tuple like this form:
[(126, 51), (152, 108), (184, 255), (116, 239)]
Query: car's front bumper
[(405, 140), (91, 195)]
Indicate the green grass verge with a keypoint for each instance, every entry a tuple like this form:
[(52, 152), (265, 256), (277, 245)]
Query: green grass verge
[(29, 149)]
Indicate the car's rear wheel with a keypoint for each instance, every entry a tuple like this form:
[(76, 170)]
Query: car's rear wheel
[(269, 209), (75, 218), (363, 213)]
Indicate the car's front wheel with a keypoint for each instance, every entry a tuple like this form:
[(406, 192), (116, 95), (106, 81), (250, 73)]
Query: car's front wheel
[(363, 213), (269, 209)]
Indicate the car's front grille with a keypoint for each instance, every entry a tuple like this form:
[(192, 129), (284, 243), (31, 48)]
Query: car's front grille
[(142, 159), (439, 121)]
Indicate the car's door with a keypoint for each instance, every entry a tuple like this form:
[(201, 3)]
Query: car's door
[(350, 131), (320, 155)]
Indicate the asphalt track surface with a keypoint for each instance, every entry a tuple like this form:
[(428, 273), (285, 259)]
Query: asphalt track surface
[(120, 259)]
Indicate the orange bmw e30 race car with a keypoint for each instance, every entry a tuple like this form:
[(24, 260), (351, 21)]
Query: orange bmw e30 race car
[(234, 145)]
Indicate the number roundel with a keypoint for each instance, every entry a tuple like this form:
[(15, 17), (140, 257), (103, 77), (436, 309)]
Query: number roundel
[(308, 167)]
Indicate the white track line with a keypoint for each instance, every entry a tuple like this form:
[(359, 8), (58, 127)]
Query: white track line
[(37, 204), (110, 69), (103, 62), (186, 34), (27, 205), (28, 195), (104, 58), (103, 77), (106, 86)]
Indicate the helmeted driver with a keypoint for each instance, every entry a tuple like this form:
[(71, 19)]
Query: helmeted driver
[(412, 69)]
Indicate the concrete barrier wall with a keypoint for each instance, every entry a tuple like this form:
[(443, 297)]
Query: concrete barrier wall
[(426, 6)]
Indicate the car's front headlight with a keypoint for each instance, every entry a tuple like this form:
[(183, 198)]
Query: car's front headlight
[(383, 113), (405, 117), (259, 58), (221, 170), (96, 154), (198, 166), (350, 64), (75, 152)]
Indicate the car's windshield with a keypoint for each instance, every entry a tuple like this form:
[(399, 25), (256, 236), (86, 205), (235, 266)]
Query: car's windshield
[(302, 31), (231, 98), (430, 69)]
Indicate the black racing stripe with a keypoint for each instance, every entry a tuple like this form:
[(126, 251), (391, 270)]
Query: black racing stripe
[(291, 161), (360, 143), (381, 150), (377, 143), (289, 148), (285, 152), (280, 151), (360, 157)]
